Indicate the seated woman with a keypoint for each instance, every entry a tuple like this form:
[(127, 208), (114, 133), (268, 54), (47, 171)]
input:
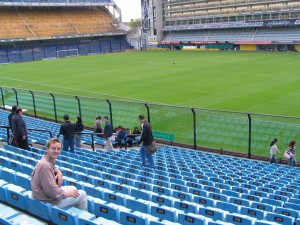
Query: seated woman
[(46, 180)]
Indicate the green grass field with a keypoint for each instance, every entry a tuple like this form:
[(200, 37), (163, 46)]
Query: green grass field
[(255, 82)]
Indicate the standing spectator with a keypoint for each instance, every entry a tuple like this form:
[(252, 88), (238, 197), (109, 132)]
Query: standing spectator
[(273, 150), (291, 151), (46, 180), (78, 128), (12, 113), (67, 129), (147, 139), (98, 125), (19, 129), (107, 133)]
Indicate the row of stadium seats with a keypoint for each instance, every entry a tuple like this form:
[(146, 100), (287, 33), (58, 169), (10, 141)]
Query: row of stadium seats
[(232, 35), (22, 54), (170, 201), (59, 1), (49, 22)]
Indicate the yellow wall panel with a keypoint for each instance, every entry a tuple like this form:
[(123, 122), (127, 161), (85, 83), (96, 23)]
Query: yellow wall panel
[(248, 47)]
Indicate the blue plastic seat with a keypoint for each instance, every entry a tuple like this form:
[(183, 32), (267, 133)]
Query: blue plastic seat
[(15, 165), (231, 193), (109, 211), (3, 190), (125, 181), (163, 222), (239, 219), (17, 196), (163, 200), (23, 180), (39, 208), (187, 207), (213, 213), (287, 212), (69, 172), (289, 205), (294, 200), (4, 162), (240, 190), (219, 197), (204, 201), (183, 196), (142, 194), (197, 191), (115, 198), (251, 197), (239, 201), (85, 178), (140, 205), (191, 218), (258, 193), (142, 185), (280, 218), (179, 187), (25, 219), (8, 175), (229, 207), (263, 206), (27, 169), (162, 190), (165, 212), (69, 215), (272, 202), (97, 221), (138, 218), (255, 213), (7, 212)]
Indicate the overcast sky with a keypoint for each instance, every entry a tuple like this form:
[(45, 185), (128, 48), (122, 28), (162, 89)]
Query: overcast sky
[(131, 9)]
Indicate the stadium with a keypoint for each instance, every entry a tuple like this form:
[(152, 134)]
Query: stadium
[(217, 80)]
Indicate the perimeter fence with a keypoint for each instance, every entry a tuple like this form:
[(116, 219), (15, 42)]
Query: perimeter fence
[(245, 133)]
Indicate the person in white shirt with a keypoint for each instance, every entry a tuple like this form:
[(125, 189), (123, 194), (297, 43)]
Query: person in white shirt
[(273, 150)]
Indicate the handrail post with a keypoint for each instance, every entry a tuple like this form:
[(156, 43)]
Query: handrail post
[(54, 107), (93, 144), (194, 128), (7, 133), (79, 105), (2, 98), (249, 138), (16, 93), (148, 112), (33, 101), (110, 112)]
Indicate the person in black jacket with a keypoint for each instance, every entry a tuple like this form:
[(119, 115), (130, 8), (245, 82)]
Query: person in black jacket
[(78, 128), (108, 133), (67, 129), (19, 129), (147, 139), (10, 116)]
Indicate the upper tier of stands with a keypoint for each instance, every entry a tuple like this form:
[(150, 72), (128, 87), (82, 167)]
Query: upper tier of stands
[(35, 23), (57, 1)]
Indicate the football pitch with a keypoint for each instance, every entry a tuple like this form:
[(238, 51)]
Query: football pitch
[(254, 82)]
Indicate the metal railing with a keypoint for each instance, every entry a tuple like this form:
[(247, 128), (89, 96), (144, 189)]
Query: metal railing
[(246, 133)]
